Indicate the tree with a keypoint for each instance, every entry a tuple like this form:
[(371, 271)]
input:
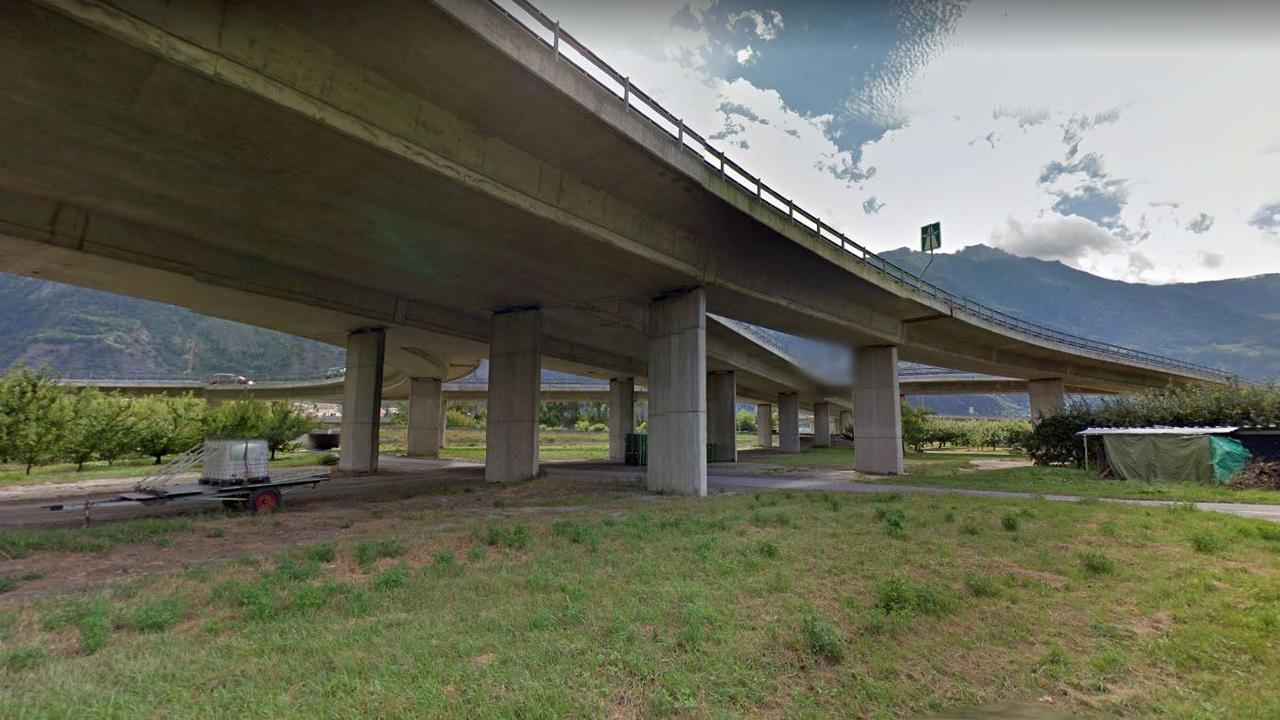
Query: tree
[(98, 427), (915, 423), (167, 425), (236, 419), (81, 411), (116, 434), (281, 424), (32, 417)]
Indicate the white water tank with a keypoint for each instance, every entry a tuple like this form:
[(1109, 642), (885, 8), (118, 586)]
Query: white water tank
[(229, 461)]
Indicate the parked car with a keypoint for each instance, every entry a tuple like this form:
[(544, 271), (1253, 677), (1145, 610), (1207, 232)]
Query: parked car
[(335, 372), (229, 379)]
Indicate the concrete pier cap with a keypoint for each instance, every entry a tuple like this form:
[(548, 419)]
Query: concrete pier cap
[(678, 393), (515, 378)]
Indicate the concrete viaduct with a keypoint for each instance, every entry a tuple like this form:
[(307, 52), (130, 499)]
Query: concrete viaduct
[(429, 182)]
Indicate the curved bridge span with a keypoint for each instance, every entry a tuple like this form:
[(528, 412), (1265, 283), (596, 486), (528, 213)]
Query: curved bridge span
[(432, 182)]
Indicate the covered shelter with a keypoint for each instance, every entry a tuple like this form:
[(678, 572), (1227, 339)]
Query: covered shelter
[(1168, 454)]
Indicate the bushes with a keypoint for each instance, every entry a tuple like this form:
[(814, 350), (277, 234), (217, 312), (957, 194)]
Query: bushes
[(1054, 441), (921, 429), (43, 422), (746, 421), (456, 418)]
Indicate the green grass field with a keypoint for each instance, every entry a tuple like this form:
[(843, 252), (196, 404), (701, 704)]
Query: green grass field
[(624, 605), (953, 470), (468, 444)]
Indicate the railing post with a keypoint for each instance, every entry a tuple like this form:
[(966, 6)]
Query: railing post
[(680, 132), (759, 192), (556, 40), (626, 94), (791, 209)]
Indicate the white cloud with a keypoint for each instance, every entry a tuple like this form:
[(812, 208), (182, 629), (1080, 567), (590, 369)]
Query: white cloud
[(745, 55), (766, 25), (1069, 239), (1167, 128)]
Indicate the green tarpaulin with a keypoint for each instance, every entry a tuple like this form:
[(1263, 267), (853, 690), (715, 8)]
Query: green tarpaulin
[(1229, 457), (1175, 458)]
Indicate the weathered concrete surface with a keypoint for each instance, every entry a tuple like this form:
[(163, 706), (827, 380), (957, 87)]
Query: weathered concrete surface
[(362, 401), (1047, 397), (722, 428), (877, 411), (678, 394), (789, 422), (764, 425), (424, 430), (622, 415), (822, 424), (515, 377), (445, 194)]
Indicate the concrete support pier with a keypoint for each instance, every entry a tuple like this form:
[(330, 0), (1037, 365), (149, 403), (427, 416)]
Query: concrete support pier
[(678, 393), (423, 432), (877, 412), (846, 419), (622, 415), (789, 422), (1047, 397), (821, 424), (515, 378), (764, 425), (722, 424), (361, 401), (444, 421)]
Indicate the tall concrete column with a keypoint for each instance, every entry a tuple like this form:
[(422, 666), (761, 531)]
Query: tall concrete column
[(515, 380), (422, 435), (622, 415), (764, 425), (1047, 397), (362, 401), (821, 424), (444, 420), (722, 424), (877, 411), (789, 422), (846, 419), (678, 394)]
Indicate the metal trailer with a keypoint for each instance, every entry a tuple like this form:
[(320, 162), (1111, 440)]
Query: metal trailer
[(256, 496), (234, 472)]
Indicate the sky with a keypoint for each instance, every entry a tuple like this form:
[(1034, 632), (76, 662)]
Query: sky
[(1135, 140)]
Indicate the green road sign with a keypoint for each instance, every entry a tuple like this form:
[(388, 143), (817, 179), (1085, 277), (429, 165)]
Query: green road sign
[(931, 237)]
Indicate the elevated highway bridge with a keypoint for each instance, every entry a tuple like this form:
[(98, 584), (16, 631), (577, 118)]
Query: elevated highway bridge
[(431, 182)]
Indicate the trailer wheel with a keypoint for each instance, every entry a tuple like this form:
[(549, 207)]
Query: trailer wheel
[(265, 500)]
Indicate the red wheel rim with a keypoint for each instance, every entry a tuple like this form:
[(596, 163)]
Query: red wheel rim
[(265, 502)]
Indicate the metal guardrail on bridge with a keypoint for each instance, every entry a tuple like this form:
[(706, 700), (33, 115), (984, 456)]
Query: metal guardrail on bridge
[(579, 56)]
